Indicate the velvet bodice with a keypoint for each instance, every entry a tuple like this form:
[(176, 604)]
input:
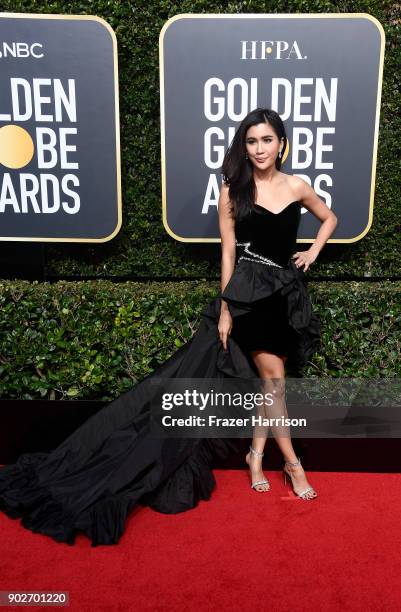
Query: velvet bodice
[(272, 235)]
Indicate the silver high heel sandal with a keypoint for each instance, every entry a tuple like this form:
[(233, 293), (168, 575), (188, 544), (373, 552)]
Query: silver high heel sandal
[(259, 482), (302, 494)]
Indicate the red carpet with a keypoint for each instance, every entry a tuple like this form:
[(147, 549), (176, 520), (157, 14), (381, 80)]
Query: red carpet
[(241, 550)]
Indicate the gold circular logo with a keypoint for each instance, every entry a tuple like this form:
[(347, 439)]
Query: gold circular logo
[(16, 146)]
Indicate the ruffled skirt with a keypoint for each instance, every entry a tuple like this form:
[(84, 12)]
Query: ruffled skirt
[(272, 311), (90, 483)]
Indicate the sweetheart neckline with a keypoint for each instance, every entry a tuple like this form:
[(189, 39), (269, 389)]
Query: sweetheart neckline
[(279, 213)]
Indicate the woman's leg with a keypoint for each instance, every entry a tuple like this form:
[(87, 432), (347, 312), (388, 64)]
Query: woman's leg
[(271, 370), (268, 366)]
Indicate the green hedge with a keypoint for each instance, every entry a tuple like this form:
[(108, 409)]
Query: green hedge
[(143, 247), (96, 339)]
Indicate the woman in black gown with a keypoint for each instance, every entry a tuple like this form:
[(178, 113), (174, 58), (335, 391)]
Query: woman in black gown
[(276, 329), (261, 320)]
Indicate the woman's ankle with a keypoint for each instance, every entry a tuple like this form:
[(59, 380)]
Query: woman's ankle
[(291, 459)]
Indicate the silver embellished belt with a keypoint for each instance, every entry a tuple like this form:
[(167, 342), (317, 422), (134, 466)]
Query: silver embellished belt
[(252, 256)]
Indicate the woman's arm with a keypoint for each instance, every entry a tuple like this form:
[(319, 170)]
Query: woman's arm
[(227, 234), (311, 201), (228, 248)]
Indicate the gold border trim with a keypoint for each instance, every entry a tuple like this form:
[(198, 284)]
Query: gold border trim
[(272, 16), (108, 27)]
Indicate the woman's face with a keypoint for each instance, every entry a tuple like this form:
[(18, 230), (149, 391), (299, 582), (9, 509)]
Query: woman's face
[(262, 145)]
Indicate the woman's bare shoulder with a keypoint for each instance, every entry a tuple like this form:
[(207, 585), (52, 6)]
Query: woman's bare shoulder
[(296, 182), (224, 204), (224, 192), (298, 186)]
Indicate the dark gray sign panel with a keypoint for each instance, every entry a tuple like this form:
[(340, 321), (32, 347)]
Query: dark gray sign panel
[(321, 72), (59, 129)]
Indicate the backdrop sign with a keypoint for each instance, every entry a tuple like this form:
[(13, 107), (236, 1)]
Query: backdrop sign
[(59, 129), (321, 72)]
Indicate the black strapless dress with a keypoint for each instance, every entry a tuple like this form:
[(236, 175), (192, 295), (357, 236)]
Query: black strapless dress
[(92, 480)]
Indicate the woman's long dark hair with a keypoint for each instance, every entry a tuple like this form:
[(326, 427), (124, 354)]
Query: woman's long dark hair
[(237, 170)]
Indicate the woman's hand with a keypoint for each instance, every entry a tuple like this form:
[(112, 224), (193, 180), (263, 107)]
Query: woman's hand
[(305, 258), (225, 326)]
